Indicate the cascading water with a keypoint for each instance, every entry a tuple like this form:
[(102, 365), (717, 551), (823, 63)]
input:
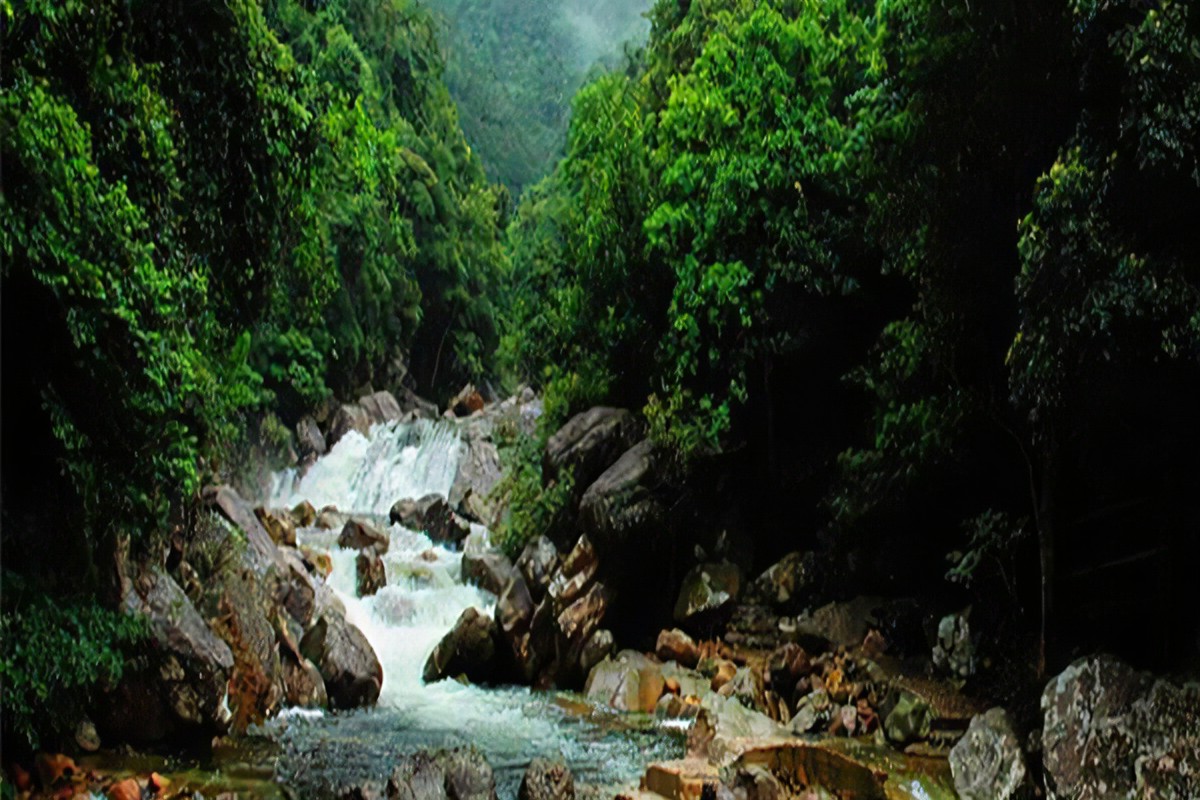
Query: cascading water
[(424, 596)]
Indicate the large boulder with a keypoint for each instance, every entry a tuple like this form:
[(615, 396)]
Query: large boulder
[(477, 474), (303, 682), (547, 780), (1109, 731), (624, 506), (490, 570), (708, 595), (359, 535), (842, 623), (180, 693), (723, 726), (987, 762), (469, 649), (783, 583), (261, 552), (250, 614), (629, 682), (380, 407), (459, 774), (431, 515), (348, 664), (589, 444), (370, 574), (576, 625), (352, 417), (537, 563), (310, 439), (675, 645)]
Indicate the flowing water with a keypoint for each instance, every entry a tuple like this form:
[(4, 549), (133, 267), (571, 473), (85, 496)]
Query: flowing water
[(405, 620)]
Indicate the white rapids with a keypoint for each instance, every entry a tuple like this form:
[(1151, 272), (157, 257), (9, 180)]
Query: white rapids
[(424, 596)]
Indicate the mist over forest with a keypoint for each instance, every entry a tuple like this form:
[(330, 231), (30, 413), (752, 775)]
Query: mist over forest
[(514, 65)]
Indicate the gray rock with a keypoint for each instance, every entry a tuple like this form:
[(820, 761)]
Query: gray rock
[(181, 691), (303, 683), (469, 649), (380, 407), (459, 774), (310, 439), (910, 719), (514, 607), (490, 570), (346, 660), (348, 418), (589, 444), (842, 624), (599, 646), (537, 563), (721, 723), (784, 582), (478, 472), (1109, 731), (576, 625), (623, 506), (987, 762), (547, 780), (954, 653), (431, 515), (261, 552), (708, 594)]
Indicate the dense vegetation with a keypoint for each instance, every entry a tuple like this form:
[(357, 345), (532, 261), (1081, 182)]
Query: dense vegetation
[(926, 267), (512, 67), (243, 214), (924, 275)]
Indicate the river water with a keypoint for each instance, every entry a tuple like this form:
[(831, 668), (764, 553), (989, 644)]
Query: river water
[(365, 475)]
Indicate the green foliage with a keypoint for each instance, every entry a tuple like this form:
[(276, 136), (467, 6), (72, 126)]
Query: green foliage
[(532, 505), (513, 66), (55, 654), (992, 538)]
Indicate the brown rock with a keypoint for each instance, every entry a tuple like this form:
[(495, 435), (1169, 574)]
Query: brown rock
[(675, 645), (537, 563), (371, 576), (547, 780), (599, 646), (348, 665), (468, 649), (490, 570), (357, 535), (576, 573), (128, 789), (466, 402), (304, 515), (628, 682), (310, 439), (303, 682), (348, 418)]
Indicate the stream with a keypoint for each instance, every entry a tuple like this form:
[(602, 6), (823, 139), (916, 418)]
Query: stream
[(424, 596)]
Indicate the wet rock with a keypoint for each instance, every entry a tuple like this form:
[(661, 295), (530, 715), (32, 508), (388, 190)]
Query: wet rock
[(370, 575), (813, 713), (514, 608), (180, 693), (599, 646), (909, 720), (987, 762), (297, 590), (431, 515), (708, 595), (1109, 731), (537, 563), (629, 682), (547, 780), (490, 570), (330, 519), (684, 681), (675, 645), (576, 574), (784, 582), (477, 474), (954, 654), (459, 774), (380, 407), (310, 439), (348, 418), (279, 526), (466, 402), (304, 515), (303, 683), (723, 724), (359, 535), (589, 444), (623, 510), (346, 660), (674, 706), (250, 612), (261, 553), (576, 624), (469, 649)]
